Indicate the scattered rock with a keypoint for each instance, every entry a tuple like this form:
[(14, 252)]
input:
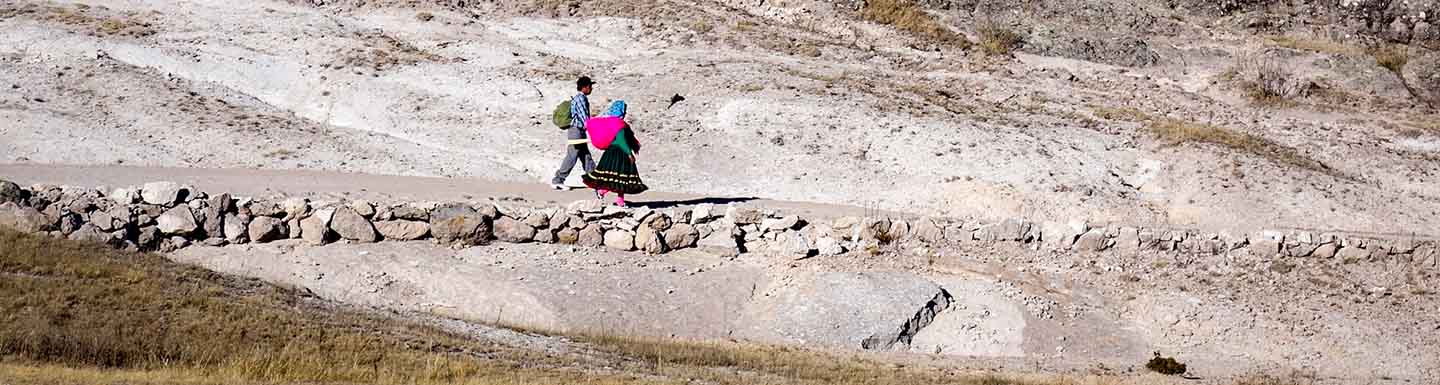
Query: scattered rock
[(403, 230), (703, 213), (538, 219), (364, 208), (69, 222), (620, 240), (315, 230), (927, 231), (792, 245), (410, 213), (743, 215), (591, 236), (681, 236), (787, 223), (1093, 240), (236, 228), (264, 229), (567, 236), (658, 222), (162, 193), (545, 236), (177, 221), (457, 222), (89, 233), (265, 209), (124, 196), (351, 225), (148, 238), (510, 230), (829, 247), (650, 241), (295, 207)]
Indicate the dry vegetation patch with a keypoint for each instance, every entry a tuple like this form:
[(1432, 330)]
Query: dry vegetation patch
[(1176, 132), (997, 38), (1315, 44), (95, 21), (83, 313), (380, 52), (1266, 81), (906, 15)]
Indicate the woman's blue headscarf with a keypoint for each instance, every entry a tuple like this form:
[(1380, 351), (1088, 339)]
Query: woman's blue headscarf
[(617, 109)]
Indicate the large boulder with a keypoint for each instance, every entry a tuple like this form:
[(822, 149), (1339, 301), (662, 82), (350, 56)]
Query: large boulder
[(266, 229), (927, 231), (69, 222), (827, 246), (704, 212), (791, 244), (315, 228), (11, 192), (1093, 240), (650, 241), (620, 240), (179, 220), (265, 209), (295, 207), (24, 219), (508, 229), (681, 235), (457, 222), (162, 193), (236, 228), (403, 230), (351, 225)]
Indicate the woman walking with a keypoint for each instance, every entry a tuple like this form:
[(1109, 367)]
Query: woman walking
[(616, 171)]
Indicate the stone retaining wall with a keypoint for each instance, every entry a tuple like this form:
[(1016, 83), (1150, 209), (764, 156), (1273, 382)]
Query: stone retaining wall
[(165, 216)]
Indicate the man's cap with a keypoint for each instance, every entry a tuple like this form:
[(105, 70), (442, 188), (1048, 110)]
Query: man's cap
[(584, 81)]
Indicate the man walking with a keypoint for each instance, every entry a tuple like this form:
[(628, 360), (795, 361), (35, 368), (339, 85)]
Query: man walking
[(577, 144)]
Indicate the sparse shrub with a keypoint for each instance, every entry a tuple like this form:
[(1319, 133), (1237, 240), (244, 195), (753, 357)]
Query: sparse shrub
[(1165, 365), (425, 16), (1392, 57), (1121, 113), (996, 38), (1267, 81)]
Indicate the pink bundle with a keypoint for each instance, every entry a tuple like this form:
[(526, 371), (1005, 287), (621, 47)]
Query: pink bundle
[(602, 130)]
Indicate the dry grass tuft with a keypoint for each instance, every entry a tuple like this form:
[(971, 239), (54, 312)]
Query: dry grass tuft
[(1176, 132), (1121, 114), (996, 38), (906, 15), (424, 16), (1392, 57)]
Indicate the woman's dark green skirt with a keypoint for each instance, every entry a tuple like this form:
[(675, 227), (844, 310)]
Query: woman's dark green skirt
[(616, 172)]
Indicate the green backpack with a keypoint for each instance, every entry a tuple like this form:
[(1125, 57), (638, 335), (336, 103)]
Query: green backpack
[(561, 117)]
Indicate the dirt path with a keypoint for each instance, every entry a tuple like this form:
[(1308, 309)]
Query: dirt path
[(378, 188)]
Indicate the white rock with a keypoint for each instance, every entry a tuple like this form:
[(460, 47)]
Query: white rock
[(160, 193), (177, 221)]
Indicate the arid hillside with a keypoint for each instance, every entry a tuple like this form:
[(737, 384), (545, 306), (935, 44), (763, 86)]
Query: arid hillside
[(1236, 115)]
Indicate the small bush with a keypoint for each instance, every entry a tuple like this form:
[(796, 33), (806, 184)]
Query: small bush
[(996, 38), (1392, 57), (1165, 365), (1267, 81), (425, 16)]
